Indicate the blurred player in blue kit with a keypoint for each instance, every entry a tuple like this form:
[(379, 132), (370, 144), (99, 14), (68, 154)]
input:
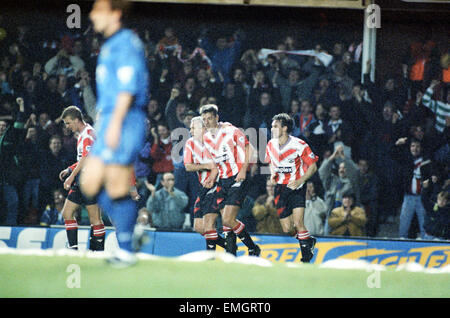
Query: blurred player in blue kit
[(122, 88)]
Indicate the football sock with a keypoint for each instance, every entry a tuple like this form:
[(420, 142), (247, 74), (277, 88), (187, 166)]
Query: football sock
[(123, 213), (230, 240), (226, 230), (211, 240), (72, 233), (243, 235), (220, 241), (302, 235), (97, 242)]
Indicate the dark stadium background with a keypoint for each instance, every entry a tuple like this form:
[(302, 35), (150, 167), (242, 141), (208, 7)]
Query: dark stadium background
[(401, 23)]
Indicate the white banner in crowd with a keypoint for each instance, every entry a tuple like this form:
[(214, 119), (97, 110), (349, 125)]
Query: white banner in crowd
[(323, 57)]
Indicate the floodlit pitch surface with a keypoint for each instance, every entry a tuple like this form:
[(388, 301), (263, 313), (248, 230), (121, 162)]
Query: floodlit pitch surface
[(61, 275)]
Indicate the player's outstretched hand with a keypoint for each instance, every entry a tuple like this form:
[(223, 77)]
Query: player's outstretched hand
[(68, 182), (209, 182), (63, 174)]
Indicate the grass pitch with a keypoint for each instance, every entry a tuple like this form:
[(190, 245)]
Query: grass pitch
[(32, 276)]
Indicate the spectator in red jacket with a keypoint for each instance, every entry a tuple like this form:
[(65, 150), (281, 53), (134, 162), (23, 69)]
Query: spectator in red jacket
[(161, 151)]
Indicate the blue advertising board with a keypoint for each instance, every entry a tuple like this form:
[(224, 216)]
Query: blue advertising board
[(276, 248)]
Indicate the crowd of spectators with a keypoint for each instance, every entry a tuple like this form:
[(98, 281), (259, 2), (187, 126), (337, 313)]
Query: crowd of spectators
[(364, 132)]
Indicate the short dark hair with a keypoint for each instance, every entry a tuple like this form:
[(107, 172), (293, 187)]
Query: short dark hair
[(349, 194), (285, 120), (55, 136), (163, 123), (73, 112), (209, 108)]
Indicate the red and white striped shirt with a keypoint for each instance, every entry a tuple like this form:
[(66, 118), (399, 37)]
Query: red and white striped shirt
[(196, 152), (415, 182), (227, 148), (84, 143), (291, 160)]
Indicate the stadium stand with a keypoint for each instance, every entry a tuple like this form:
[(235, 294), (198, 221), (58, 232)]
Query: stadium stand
[(212, 63)]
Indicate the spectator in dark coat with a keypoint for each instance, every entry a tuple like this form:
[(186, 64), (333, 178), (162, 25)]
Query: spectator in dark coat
[(437, 219), (11, 138), (53, 161)]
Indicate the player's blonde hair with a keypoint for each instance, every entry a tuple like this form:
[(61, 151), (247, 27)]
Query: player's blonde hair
[(198, 119), (73, 112)]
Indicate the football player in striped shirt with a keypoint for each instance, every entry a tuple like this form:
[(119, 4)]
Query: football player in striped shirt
[(197, 158), (231, 152), (73, 119), (292, 163)]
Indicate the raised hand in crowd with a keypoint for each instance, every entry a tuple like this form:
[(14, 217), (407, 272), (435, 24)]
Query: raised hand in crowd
[(150, 187), (338, 153), (155, 135), (434, 83), (174, 93), (31, 121), (401, 141), (21, 103)]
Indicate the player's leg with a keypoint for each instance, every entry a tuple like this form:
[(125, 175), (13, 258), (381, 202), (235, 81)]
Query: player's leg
[(236, 197), (198, 216), (92, 176), (71, 223), (97, 240), (306, 241), (287, 225), (212, 237), (406, 216), (228, 234), (198, 226), (122, 208), (229, 219)]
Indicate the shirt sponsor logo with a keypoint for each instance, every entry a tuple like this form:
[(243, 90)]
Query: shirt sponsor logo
[(284, 170), (222, 158)]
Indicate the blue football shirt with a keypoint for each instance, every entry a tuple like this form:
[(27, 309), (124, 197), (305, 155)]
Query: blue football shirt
[(121, 67)]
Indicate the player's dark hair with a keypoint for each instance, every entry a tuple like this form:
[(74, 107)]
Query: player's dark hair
[(285, 121), (73, 112), (209, 108)]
